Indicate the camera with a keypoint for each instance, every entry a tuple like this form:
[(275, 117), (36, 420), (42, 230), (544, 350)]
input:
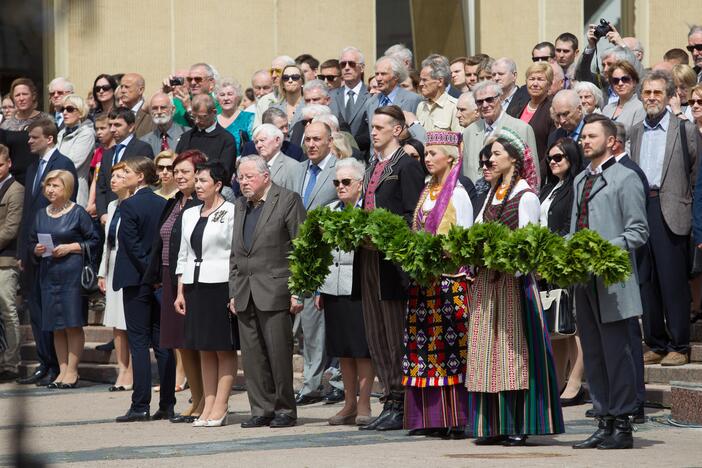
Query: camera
[(177, 81), (602, 29)]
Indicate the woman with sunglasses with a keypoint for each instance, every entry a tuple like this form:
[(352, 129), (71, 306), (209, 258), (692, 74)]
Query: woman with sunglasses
[(564, 163), (104, 88), (510, 377), (290, 93), (628, 110), (76, 140), (167, 187)]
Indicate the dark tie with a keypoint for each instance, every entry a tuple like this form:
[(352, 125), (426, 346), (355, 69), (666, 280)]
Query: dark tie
[(384, 100), (37, 179), (112, 230), (349, 106), (115, 156), (314, 170), (164, 142)]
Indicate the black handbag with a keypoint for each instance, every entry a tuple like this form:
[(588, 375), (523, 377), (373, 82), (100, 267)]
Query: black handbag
[(558, 312), (88, 278)]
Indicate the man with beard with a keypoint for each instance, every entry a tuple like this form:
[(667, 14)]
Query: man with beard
[(166, 133)]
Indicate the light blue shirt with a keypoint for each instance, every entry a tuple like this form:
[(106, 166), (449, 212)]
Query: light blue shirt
[(653, 150)]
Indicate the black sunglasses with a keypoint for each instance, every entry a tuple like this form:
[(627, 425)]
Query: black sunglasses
[(558, 157), (486, 163), (344, 182), (697, 47), (294, 77), (167, 167), (327, 77), (487, 100), (69, 109), (103, 88), (541, 59), (624, 80), (350, 63), (691, 102)]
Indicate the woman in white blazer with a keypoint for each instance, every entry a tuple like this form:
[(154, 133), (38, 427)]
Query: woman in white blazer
[(76, 141), (114, 307), (203, 291)]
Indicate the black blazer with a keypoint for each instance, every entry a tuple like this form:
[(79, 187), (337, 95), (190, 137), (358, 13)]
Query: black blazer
[(218, 145), (154, 271), (104, 194), (137, 229), (35, 202), (518, 102), (401, 183), (560, 212), (542, 125)]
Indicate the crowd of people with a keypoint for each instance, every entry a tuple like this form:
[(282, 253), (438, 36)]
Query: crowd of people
[(185, 206)]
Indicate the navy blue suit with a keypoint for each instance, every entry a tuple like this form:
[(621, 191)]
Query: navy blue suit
[(33, 202), (137, 231)]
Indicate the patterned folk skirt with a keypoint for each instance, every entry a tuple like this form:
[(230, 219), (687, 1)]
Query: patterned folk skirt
[(435, 355), (511, 378)]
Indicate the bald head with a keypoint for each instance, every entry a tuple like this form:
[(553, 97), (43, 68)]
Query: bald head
[(635, 46), (317, 141), (466, 109), (262, 83), (664, 66), (566, 109), (132, 89)]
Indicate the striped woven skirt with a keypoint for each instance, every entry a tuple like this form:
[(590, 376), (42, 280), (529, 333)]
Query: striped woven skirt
[(436, 407), (536, 409)]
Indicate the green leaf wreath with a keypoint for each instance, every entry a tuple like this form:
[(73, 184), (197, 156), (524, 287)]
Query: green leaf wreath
[(424, 256)]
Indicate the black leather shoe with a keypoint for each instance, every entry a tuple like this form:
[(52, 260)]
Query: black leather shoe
[(454, 433), (46, 380), (334, 395), (257, 421), (387, 411), (639, 417), (621, 437), (590, 413), (515, 441), (177, 419), (163, 414), (395, 421), (491, 440), (283, 420), (54, 385), (605, 426), (109, 346), (578, 399), (34, 378), (302, 400), (133, 416)]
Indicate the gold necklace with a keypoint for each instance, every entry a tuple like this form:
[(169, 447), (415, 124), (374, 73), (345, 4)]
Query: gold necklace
[(434, 191), (501, 191)]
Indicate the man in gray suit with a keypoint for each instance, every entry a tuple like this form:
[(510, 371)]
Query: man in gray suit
[(608, 201), (166, 133), (266, 221), (313, 182), (488, 98), (670, 164), (268, 140), (389, 73)]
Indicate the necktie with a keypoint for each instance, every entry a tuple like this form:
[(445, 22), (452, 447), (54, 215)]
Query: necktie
[(115, 156), (384, 100), (112, 230), (164, 142), (314, 170), (59, 119), (37, 179), (349, 105)]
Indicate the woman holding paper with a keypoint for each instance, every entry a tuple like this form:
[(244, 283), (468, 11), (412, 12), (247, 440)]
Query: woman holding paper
[(55, 240)]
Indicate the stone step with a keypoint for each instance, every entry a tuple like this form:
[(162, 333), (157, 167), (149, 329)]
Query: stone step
[(104, 373), (659, 374), (696, 331), (686, 402), (28, 352), (659, 394), (93, 333)]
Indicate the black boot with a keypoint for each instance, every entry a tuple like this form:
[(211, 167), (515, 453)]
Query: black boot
[(395, 421), (605, 427), (387, 411), (621, 436)]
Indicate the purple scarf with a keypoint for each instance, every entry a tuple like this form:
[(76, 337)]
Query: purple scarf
[(442, 201)]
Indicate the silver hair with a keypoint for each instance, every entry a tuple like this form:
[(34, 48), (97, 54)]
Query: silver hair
[(353, 164), (203, 100), (694, 29), (211, 72), (269, 130), (660, 75), (487, 85), (621, 132), (511, 64), (316, 84), (261, 164), (625, 54), (229, 83), (568, 95), (581, 86), (329, 119), (355, 50), (67, 85), (310, 111), (470, 98), (271, 113), (399, 51), (398, 68), (439, 66), (288, 60)]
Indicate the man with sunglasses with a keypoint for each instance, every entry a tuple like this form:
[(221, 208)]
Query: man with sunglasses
[(567, 112), (131, 89), (488, 98), (694, 46), (200, 80), (59, 88), (330, 73), (543, 52)]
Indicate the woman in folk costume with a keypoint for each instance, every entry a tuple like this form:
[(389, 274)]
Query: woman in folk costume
[(436, 321), (510, 377)]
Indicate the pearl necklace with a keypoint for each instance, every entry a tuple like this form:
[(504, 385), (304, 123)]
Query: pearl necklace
[(54, 211)]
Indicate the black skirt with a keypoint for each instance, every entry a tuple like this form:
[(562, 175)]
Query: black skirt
[(345, 329), (209, 326)]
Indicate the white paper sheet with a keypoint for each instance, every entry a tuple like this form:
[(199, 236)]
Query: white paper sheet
[(46, 241)]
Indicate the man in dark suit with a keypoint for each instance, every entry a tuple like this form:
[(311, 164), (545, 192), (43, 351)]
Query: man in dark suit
[(667, 150), (139, 221), (121, 121), (166, 133), (208, 136), (568, 114), (131, 88), (394, 182), (266, 221), (42, 140)]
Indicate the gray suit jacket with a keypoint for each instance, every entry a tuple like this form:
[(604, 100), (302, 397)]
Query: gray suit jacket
[(284, 171), (405, 100), (632, 113), (675, 191), (323, 192), (261, 273), (358, 111), (618, 214), (474, 140), (174, 133)]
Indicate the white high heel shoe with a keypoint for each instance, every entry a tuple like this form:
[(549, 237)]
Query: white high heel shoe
[(200, 422), (218, 422)]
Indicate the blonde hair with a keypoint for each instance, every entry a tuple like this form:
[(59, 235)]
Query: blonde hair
[(167, 154), (540, 67), (66, 178), (449, 150), (77, 102), (684, 75), (341, 147)]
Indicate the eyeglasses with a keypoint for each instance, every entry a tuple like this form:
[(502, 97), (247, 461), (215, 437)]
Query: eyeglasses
[(344, 182), (542, 59), (486, 163), (348, 63), (329, 78), (652, 92), (57, 93), (558, 157), (488, 100), (697, 47), (623, 80), (167, 168), (692, 102), (196, 79), (275, 71), (103, 88), (69, 109), (294, 77)]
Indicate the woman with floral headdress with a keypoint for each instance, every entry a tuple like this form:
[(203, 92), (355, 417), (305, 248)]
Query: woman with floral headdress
[(435, 338), (510, 376)]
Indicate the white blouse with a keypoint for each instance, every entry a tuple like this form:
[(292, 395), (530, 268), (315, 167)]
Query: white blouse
[(529, 205), (461, 203), (546, 204)]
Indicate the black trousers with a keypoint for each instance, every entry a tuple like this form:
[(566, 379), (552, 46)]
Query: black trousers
[(607, 353), (637, 355), (143, 318), (46, 353), (666, 299)]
